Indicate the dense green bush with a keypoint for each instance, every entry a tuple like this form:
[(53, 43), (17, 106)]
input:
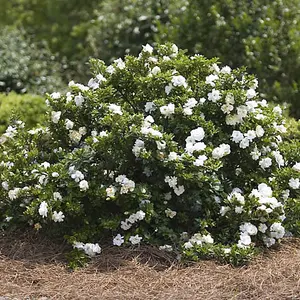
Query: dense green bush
[(262, 35), (162, 148), (30, 108), (61, 24), (25, 66), (121, 27)]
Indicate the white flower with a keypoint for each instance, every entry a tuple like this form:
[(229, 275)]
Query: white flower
[(262, 227), (58, 216), (125, 225), (138, 147), (255, 154), (237, 136), (248, 228), (224, 210), (188, 245), (214, 95), (170, 213), (279, 158), (140, 215), (174, 49), (227, 108), (75, 136), (43, 209), (149, 107), (296, 167), (221, 151), (167, 248), (119, 63), (93, 83), (226, 70), (110, 69), (277, 110), (238, 209), (211, 79), (111, 191), (178, 80), (155, 70), (55, 174), (136, 239), (77, 175), (250, 135), (187, 111), (13, 194), (264, 190), (191, 102), (118, 240), (265, 162), (115, 109), (57, 196), (171, 180), (5, 185), (259, 131), (167, 110), (161, 145), (79, 100), (200, 160), (69, 124), (269, 241), (55, 116), (147, 48), (168, 88), (245, 240), (251, 93), (179, 190), (55, 95), (197, 134), (294, 183), (173, 156), (244, 143), (83, 185), (277, 230), (91, 249)]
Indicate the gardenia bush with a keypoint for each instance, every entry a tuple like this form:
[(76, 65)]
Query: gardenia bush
[(163, 148)]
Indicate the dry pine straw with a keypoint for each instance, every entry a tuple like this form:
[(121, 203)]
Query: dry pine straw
[(34, 268)]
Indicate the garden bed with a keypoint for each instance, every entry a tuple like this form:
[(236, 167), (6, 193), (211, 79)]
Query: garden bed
[(34, 268)]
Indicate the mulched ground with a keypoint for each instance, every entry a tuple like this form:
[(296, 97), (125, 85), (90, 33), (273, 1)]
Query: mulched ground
[(34, 268)]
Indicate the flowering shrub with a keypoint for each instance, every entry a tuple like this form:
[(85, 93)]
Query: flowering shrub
[(162, 148), (264, 34)]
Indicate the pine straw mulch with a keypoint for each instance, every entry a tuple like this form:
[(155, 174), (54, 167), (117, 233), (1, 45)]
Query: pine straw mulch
[(35, 268)]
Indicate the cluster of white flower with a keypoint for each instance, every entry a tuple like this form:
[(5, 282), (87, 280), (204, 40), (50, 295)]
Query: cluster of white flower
[(127, 185), (193, 141), (172, 181), (167, 110), (138, 147), (221, 151), (247, 229), (133, 218), (188, 106), (148, 130), (78, 177), (198, 239), (94, 83), (89, 248)]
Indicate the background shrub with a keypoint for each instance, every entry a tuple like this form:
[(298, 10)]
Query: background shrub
[(30, 108), (25, 66)]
